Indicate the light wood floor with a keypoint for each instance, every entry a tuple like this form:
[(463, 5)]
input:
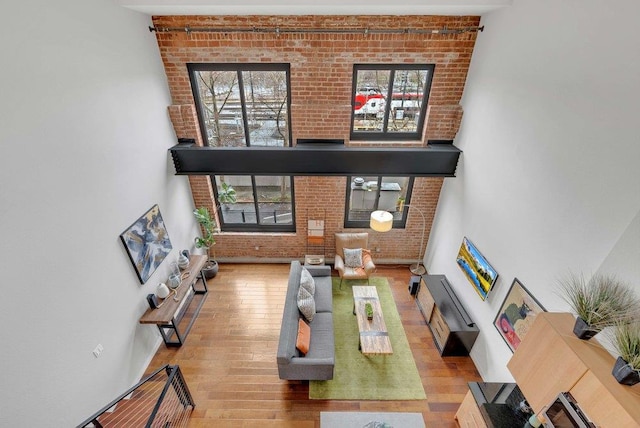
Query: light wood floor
[(229, 358)]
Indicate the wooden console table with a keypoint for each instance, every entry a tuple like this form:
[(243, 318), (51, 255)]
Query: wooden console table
[(175, 310)]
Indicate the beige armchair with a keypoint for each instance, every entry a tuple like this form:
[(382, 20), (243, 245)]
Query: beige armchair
[(353, 241)]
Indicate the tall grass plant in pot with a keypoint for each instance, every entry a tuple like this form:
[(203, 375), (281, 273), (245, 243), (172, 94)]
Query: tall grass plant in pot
[(207, 240), (600, 302), (626, 341)]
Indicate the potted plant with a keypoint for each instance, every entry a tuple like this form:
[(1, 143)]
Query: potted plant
[(227, 195), (208, 240), (368, 309), (626, 341), (598, 303)]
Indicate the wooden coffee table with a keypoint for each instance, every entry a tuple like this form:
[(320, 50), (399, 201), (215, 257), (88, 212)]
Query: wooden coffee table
[(374, 337)]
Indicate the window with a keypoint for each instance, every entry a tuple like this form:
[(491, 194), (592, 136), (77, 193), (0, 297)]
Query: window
[(368, 194), (390, 101), (255, 203), (242, 104)]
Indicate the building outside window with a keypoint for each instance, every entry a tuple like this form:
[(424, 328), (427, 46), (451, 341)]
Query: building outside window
[(242, 105), (368, 194), (390, 101)]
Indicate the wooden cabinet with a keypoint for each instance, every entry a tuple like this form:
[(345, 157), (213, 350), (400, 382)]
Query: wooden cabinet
[(468, 414), (453, 330), (551, 360)]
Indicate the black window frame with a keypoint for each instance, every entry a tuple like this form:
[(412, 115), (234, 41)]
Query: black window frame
[(359, 224), (192, 68), (386, 135), (255, 227)]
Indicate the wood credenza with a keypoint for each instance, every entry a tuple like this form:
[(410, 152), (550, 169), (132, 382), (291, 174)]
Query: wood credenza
[(551, 360), (454, 332)]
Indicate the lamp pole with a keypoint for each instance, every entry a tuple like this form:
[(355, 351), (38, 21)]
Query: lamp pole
[(418, 268)]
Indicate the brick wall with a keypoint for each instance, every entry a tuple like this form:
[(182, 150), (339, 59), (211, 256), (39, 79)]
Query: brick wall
[(321, 79)]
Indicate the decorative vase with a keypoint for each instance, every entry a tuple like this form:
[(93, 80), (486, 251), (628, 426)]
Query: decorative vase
[(582, 330), (183, 261), (624, 373), (162, 291), (174, 280)]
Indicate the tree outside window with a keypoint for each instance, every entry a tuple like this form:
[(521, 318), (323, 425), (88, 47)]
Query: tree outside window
[(241, 105)]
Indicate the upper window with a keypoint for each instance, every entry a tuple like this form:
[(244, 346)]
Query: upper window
[(242, 104), (390, 101), (368, 194)]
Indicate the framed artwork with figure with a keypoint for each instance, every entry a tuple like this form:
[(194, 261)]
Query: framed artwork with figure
[(516, 314)]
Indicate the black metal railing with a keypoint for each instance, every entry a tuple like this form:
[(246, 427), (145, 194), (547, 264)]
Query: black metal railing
[(267, 216), (162, 399)]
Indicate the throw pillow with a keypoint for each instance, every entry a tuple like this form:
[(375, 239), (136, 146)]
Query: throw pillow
[(306, 304), (304, 336), (353, 257), (307, 282)]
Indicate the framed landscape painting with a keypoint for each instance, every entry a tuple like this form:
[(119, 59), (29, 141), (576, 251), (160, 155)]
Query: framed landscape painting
[(516, 315), (476, 268), (147, 243)]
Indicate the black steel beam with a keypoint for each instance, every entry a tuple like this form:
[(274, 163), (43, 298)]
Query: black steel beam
[(435, 160)]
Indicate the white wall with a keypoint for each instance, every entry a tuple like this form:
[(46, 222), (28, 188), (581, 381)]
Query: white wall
[(84, 134), (549, 179)]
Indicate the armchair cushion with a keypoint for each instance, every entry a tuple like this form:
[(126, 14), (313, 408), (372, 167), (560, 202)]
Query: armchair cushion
[(353, 257)]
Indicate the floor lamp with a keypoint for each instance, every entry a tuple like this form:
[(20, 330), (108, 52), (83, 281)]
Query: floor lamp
[(382, 221)]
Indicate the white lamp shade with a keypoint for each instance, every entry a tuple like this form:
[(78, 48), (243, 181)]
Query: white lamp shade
[(381, 221)]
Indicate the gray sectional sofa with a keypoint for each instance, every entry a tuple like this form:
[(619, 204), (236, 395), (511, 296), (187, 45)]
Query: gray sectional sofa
[(319, 362)]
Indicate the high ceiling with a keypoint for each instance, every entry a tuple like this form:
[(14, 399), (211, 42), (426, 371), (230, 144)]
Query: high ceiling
[(313, 7)]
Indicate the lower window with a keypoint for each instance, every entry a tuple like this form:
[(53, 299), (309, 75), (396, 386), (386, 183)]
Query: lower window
[(368, 194), (255, 203)]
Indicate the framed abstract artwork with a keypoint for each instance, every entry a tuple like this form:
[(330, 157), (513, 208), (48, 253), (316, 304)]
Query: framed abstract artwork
[(147, 243), (476, 268), (516, 314)]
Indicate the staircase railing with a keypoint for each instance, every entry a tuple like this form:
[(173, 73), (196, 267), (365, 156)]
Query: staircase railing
[(162, 399)]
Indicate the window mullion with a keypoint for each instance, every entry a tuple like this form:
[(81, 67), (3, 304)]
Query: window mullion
[(243, 108), (387, 106), (255, 199)]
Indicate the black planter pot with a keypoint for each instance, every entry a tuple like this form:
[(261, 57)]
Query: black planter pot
[(210, 269), (582, 330), (624, 374)]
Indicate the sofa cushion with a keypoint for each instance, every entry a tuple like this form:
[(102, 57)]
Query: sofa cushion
[(307, 282), (304, 337), (353, 257), (323, 296), (306, 304), (322, 340)]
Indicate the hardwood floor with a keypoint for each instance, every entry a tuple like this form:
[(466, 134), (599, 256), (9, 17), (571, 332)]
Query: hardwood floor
[(229, 360)]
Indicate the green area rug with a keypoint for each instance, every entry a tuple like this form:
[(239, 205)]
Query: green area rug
[(360, 377)]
